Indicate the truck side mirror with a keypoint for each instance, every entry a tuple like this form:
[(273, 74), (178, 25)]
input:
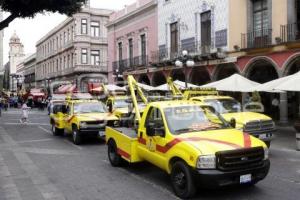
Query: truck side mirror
[(232, 123)]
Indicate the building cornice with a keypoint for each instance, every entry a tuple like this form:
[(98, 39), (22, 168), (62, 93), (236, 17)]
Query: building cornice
[(132, 14)]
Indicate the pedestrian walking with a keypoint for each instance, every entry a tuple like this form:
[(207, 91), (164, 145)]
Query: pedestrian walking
[(275, 108), (25, 109)]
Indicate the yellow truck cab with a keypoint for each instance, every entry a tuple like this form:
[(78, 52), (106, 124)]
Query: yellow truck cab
[(193, 144), (83, 117), (256, 124)]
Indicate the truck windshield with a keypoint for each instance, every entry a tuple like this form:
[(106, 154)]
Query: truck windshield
[(185, 119), (224, 106), (89, 108), (121, 103)]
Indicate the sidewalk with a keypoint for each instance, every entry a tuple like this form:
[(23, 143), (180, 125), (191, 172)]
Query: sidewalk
[(285, 137)]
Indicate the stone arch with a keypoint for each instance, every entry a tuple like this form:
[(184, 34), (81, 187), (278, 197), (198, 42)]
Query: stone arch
[(262, 71), (158, 78), (143, 78), (292, 65), (263, 60), (178, 74), (225, 70), (199, 76)]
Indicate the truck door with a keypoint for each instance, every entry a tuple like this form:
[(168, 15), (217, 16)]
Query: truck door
[(152, 136)]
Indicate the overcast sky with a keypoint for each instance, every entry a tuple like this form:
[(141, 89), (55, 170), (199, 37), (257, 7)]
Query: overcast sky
[(31, 30)]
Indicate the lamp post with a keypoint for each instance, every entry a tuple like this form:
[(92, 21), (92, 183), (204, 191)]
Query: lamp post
[(185, 61)]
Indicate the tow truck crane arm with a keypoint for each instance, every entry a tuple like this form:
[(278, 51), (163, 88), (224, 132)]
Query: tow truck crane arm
[(132, 86), (173, 88)]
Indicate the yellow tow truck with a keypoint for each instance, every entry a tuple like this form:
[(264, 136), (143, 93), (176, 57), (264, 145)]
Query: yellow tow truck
[(190, 142), (256, 124), (83, 117)]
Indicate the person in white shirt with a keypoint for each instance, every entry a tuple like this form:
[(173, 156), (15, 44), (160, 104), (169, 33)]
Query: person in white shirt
[(275, 107), (25, 109)]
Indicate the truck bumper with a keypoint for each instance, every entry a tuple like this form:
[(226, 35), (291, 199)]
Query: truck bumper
[(91, 132), (216, 178)]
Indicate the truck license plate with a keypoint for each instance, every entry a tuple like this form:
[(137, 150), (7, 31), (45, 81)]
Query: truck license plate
[(101, 133), (264, 136), (245, 178)]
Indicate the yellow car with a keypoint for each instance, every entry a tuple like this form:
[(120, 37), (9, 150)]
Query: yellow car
[(194, 145), (83, 118), (256, 124)]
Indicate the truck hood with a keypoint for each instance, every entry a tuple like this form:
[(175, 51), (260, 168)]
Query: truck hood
[(245, 117), (210, 142), (96, 117)]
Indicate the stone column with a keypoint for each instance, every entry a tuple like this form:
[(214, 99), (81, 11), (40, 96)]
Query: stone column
[(283, 108)]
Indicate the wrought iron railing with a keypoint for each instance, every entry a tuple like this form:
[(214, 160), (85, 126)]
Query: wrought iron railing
[(169, 55), (257, 39), (130, 64), (290, 32)]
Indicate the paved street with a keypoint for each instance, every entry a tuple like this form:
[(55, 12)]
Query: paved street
[(34, 165)]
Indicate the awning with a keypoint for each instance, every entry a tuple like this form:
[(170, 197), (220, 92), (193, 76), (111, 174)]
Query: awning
[(234, 83), (179, 84), (66, 89)]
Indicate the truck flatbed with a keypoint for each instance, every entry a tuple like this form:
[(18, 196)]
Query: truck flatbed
[(130, 132)]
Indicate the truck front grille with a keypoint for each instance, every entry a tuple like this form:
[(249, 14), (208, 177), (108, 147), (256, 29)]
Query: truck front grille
[(240, 159), (95, 122), (259, 125)]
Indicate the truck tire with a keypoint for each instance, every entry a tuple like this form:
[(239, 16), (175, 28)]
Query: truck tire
[(56, 131), (76, 137), (182, 180), (112, 151), (268, 143)]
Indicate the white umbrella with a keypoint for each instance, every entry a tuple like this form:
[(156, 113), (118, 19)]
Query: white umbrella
[(270, 86), (179, 84), (234, 83), (111, 87), (146, 87), (290, 83)]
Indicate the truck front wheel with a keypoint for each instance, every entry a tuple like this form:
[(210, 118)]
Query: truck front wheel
[(76, 136), (182, 180), (114, 158)]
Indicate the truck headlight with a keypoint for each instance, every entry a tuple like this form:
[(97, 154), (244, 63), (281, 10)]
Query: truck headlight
[(83, 124), (206, 162), (266, 153)]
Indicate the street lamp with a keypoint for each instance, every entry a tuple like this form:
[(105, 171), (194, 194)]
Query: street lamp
[(185, 61)]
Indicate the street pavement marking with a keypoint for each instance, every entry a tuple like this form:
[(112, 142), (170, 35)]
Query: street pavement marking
[(26, 124), (71, 143), (139, 178), (30, 141), (41, 182), (46, 130)]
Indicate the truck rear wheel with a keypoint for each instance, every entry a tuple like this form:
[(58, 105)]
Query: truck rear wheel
[(182, 180), (114, 158), (56, 131), (76, 136)]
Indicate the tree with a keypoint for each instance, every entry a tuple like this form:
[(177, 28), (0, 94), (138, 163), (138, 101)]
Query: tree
[(29, 8)]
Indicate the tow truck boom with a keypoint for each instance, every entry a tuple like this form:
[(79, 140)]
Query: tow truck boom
[(132, 86)]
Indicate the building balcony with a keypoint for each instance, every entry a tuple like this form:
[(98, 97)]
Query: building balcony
[(196, 50), (290, 32), (138, 62), (257, 39)]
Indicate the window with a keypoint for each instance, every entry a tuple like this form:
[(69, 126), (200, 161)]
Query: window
[(174, 37), (95, 57), (120, 50), (84, 26), (65, 38), (95, 29), (130, 45), (206, 31), (143, 49), (154, 118), (84, 56), (69, 62), (260, 17)]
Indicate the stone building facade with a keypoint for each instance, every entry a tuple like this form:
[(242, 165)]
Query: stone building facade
[(74, 51), (132, 36), (256, 38)]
